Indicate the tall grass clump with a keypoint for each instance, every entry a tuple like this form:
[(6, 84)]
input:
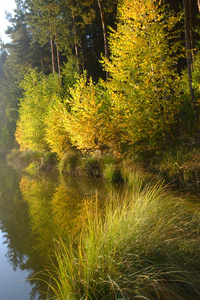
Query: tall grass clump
[(111, 168), (134, 174), (143, 244), (181, 166), (112, 173)]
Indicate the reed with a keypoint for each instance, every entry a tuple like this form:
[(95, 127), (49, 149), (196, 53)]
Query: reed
[(143, 244)]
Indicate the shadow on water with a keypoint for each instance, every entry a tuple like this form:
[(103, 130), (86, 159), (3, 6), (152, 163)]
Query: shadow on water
[(34, 211)]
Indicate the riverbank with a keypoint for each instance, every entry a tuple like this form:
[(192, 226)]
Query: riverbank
[(179, 166)]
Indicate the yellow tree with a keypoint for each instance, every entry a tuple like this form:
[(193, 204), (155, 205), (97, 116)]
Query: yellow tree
[(56, 135), (89, 117), (142, 72)]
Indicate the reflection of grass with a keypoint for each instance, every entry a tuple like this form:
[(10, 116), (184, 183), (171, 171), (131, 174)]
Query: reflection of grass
[(143, 245)]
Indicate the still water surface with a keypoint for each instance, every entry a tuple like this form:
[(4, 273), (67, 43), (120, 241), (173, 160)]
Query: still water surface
[(34, 211), (12, 280)]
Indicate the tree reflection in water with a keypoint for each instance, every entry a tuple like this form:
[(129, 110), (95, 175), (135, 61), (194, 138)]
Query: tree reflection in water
[(34, 211)]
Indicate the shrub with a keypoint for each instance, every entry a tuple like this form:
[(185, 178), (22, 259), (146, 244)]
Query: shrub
[(24, 158), (112, 173), (91, 165), (70, 161)]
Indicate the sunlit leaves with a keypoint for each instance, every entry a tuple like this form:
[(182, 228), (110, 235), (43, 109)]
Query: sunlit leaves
[(55, 134), (143, 75), (39, 91), (136, 107), (88, 117)]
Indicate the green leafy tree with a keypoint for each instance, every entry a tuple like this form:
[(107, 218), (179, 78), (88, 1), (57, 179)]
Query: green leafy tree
[(16, 57), (39, 92)]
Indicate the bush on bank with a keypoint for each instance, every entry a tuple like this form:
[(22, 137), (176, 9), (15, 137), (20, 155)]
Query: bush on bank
[(179, 166)]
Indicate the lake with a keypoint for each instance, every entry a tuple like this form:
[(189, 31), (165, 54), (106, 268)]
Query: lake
[(34, 212)]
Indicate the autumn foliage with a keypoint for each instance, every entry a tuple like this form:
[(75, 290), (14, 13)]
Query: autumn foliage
[(138, 107)]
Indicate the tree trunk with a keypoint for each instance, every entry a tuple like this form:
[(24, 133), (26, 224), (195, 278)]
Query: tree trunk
[(188, 47), (76, 42), (191, 27), (56, 40), (42, 61), (53, 54), (104, 27), (198, 2), (2, 114), (58, 54), (58, 60), (52, 44), (82, 57)]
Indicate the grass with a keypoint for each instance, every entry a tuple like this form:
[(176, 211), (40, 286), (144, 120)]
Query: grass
[(112, 173), (181, 166), (111, 168), (134, 174), (143, 244)]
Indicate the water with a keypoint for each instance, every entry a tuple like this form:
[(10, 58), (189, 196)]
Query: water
[(34, 211), (14, 229), (12, 280)]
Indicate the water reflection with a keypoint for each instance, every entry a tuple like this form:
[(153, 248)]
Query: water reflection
[(53, 205), (33, 212), (12, 284), (15, 237)]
